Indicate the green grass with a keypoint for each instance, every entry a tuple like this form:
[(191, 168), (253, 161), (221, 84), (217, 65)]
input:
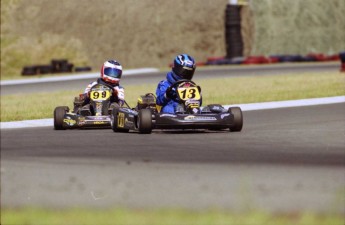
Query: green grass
[(38, 216), (273, 88), (223, 91)]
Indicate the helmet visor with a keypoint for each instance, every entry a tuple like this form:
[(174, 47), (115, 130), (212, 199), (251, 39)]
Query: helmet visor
[(184, 72), (113, 72)]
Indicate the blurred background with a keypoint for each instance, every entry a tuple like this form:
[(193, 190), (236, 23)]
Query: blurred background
[(150, 33)]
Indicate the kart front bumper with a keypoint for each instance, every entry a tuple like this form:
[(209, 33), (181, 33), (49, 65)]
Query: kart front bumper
[(195, 121), (74, 121)]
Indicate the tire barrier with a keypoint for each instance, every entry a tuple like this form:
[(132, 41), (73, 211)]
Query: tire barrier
[(29, 70), (256, 60), (61, 66), (233, 36), (342, 60), (312, 57), (56, 66), (225, 61), (44, 69), (82, 69)]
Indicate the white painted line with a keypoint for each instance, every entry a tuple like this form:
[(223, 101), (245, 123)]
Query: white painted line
[(290, 103), (27, 123), (244, 107), (75, 77)]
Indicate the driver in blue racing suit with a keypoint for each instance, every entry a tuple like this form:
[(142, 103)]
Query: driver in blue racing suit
[(183, 68)]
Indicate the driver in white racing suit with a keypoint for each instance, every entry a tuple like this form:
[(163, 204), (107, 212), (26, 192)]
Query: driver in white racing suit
[(111, 73)]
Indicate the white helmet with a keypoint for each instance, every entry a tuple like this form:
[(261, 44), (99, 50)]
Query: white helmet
[(111, 71)]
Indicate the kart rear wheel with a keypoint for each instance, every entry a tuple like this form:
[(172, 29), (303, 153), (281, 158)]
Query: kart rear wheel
[(145, 121), (59, 114), (238, 119), (114, 122)]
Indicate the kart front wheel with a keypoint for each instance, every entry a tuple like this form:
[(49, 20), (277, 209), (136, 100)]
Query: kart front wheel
[(144, 121), (238, 119), (59, 114)]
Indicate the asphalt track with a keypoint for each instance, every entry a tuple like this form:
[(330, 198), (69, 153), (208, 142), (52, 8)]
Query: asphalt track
[(284, 160)]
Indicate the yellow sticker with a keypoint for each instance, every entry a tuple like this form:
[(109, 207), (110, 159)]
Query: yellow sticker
[(69, 121), (100, 95), (99, 122), (189, 93), (121, 120)]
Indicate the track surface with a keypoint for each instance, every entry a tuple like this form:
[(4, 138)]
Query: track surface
[(284, 160)]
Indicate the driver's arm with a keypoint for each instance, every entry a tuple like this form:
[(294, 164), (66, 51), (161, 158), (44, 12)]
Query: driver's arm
[(120, 93), (88, 88), (161, 93)]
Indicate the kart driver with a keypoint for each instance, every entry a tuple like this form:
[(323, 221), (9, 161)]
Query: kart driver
[(183, 68), (111, 73)]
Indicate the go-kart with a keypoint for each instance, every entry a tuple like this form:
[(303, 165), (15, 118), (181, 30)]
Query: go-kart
[(96, 114), (189, 113)]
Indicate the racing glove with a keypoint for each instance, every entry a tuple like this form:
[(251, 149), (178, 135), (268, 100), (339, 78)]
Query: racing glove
[(84, 96), (120, 93), (170, 94)]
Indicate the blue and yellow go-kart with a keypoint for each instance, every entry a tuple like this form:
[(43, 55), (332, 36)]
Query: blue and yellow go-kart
[(189, 113)]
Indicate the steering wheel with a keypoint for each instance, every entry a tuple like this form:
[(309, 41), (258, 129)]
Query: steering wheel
[(181, 81), (175, 85), (108, 85)]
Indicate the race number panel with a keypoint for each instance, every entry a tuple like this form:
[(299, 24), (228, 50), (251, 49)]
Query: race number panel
[(189, 93), (99, 95)]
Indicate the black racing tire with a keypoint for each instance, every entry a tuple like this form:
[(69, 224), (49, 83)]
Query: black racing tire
[(45, 69), (144, 121), (59, 114), (29, 70), (238, 119), (82, 69), (114, 122)]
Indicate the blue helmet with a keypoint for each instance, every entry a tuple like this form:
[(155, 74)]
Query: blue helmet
[(184, 66)]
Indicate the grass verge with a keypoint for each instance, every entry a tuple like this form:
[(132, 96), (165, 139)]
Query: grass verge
[(223, 91), (37, 216)]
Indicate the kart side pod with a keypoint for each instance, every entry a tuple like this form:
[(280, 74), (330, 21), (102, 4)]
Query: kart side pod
[(125, 119)]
